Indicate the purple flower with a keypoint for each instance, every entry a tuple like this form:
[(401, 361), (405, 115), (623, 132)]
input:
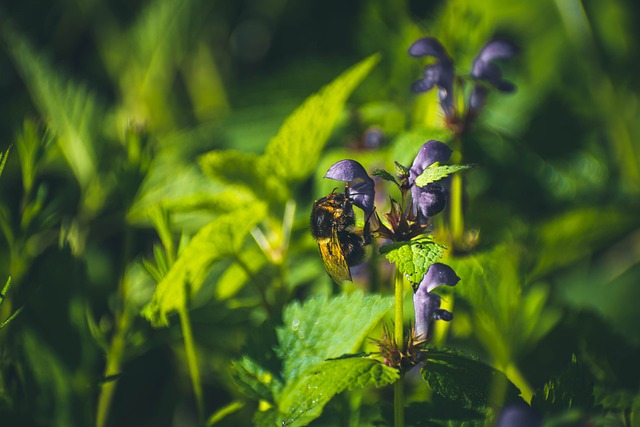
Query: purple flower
[(518, 414), (360, 186), (432, 198), (439, 74), (485, 70), (426, 305)]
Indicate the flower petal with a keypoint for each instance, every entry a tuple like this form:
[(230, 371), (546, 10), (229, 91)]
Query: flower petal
[(484, 69), (431, 151), (429, 46), (361, 186), (428, 201), (422, 85), (519, 414), (478, 98), (442, 314), (438, 274), (425, 305), (497, 49)]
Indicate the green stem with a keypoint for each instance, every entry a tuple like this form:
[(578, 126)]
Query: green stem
[(456, 217), (398, 390), (114, 361), (192, 360), (455, 202), (516, 377)]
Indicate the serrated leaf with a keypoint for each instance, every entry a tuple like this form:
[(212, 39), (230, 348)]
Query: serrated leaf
[(302, 401), (465, 379), (324, 328), (435, 173), (573, 389), (413, 258), (293, 153), (71, 110), (383, 174), (221, 238), (253, 380)]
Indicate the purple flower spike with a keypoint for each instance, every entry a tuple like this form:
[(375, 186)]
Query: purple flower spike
[(429, 46), (426, 304), (431, 151), (440, 74), (428, 200), (361, 188), (484, 68), (438, 274)]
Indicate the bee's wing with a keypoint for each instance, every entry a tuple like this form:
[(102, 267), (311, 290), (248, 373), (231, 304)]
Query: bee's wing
[(333, 258)]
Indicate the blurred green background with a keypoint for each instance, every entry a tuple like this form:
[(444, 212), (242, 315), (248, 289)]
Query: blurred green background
[(108, 106)]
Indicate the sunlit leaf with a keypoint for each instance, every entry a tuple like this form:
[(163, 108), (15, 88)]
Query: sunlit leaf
[(435, 173), (254, 380), (324, 328), (222, 238), (302, 401), (413, 258), (294, 152)]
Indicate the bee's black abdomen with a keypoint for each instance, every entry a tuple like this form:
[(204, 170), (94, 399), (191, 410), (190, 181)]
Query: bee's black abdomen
[(352, 245)]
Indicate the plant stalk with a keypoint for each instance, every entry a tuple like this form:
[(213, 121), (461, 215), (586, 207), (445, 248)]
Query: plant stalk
[(192, 360), (398, 390)]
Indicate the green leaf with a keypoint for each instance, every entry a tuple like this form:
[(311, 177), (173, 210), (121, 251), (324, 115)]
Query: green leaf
[(293, 153), (236, 275), (254, 380), (573, 389), (144, 59), (464, 379), (231, 167), (383, 174), (413, 258), (435, 173), (302, 401), (508, 317), (324, 328), (221, 238), (71, 110)]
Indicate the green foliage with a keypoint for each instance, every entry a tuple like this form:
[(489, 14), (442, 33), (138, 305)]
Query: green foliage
[(291, 155), (3, 294), (435, 173), (414, 258), (316, 330), (145, 176), (572, 390), (383, 174), (72, 110), (466, 380), (220, 239), (508, 316), (303, 400), (311, 342)]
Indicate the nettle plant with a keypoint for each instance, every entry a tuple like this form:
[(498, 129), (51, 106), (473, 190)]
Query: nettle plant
[(318, 350)]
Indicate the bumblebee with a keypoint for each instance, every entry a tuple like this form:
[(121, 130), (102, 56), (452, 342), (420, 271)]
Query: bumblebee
[(341, 243)]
